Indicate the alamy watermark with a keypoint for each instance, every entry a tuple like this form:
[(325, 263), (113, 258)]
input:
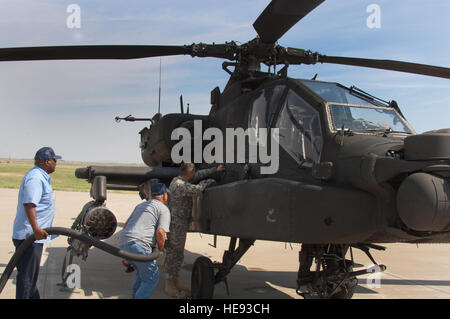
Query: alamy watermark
[(374, 279), (73, 21), (213, 152), (73, 279), (374, 19)]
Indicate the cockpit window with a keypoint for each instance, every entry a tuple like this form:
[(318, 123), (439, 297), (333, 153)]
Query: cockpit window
[(299, 129), (354, 111), (360, 118), (264, 106), (332, 92)]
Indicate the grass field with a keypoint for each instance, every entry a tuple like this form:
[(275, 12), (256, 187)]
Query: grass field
[(12, 172)]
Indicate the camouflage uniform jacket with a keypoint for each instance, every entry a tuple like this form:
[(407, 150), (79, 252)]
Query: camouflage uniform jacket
[(181, 192)]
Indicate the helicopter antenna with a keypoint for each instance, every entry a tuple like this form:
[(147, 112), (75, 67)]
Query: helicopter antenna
[(181, 104), (159, 93)]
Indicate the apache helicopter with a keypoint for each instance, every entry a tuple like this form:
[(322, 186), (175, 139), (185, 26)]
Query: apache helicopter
[(352, 171)]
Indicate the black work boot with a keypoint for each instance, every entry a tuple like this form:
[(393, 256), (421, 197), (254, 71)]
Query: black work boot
[(305, 257)]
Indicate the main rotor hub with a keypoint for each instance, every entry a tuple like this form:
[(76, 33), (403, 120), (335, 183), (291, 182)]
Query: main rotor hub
[(250, 55)]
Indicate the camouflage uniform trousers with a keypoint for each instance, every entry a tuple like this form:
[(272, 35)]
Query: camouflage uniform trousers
[(180, 204), (175, 249)]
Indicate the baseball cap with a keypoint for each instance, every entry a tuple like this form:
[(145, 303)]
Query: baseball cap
[(159, 189), (46, 153)]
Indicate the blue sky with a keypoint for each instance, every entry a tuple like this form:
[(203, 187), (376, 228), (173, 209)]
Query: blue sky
[(71, 105)]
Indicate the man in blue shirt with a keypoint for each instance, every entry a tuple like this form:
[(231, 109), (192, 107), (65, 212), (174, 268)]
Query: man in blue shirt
[(35, 211), (145, 228)]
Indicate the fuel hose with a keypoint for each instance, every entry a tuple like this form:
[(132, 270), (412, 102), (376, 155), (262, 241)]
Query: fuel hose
[(80, 236)]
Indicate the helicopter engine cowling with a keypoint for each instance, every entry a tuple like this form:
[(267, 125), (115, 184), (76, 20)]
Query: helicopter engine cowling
[(423, 202), (432, 145)]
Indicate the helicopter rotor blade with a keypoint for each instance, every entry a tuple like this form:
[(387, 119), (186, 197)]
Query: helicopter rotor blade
[(90, 52), (300, 56), (100, 52), (391, 65), (281, 15)]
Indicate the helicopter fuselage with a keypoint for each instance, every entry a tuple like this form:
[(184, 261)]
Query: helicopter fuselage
[(341, 179)]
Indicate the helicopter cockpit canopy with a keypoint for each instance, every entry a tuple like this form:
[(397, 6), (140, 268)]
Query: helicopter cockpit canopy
[(300, 133), (354, 111)]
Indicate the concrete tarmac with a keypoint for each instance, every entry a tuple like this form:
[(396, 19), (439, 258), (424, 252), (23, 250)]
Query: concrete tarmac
[(268, 270)]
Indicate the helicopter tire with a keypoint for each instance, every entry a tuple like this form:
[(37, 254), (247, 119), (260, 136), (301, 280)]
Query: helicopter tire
[(333, 281), (347, 289), (346, 292), (202, 279)]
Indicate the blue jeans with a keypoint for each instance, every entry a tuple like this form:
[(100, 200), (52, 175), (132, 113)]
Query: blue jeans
[(147, 273), (28, 271)]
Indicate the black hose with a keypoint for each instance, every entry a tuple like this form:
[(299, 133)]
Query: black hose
[(80, 236)]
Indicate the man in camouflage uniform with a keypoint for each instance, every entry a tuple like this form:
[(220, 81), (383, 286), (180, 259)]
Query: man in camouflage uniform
[(180, 204)]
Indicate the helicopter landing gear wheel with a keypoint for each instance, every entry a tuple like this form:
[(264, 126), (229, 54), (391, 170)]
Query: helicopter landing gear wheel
[(202, 280), (333, 277), (346, 291)]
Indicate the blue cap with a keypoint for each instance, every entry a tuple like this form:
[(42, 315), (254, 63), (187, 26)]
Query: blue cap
[(46, 153), (159, 189)]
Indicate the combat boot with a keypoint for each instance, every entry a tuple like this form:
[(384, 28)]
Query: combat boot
[(170, 288), (182, 287)]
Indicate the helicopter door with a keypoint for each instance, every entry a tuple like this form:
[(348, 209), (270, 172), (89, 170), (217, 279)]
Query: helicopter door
[(300, 133)]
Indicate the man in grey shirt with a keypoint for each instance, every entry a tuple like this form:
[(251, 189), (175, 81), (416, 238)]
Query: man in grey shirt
[(145, 228)]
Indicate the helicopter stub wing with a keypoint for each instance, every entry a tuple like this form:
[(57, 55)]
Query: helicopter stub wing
[(127, 175), (281, 15)]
